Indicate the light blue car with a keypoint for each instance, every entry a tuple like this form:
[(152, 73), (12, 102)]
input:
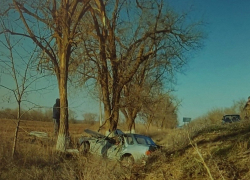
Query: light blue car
[(125, 147)]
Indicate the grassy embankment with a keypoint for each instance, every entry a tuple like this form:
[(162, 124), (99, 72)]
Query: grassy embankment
[(200, 150)]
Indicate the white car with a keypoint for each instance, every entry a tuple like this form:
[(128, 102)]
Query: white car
[(125, 147)]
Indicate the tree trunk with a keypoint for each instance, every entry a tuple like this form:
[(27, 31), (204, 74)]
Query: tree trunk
[(63, 129), (114, 120), (130, 116), (111, 116), (107, 109), (115, 109), (130, 124), (17, 128), (150, 119)]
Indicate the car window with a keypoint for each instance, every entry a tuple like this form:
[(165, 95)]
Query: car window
[(141, 140), (129, 139), (144, 140)]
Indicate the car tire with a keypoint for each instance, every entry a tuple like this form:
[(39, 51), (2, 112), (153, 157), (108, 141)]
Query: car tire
[(84, 148), (127, 161)]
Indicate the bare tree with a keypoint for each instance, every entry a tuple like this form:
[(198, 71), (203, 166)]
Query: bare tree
[(142, 90), (161, 112), (18, 63), (122, 35), (54, 27)]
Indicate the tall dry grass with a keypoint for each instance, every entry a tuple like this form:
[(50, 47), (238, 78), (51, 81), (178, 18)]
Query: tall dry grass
[(219, 147), (36, 158)]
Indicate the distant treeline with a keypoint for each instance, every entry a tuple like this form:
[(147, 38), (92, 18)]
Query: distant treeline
[(34, 114), (38, 114)]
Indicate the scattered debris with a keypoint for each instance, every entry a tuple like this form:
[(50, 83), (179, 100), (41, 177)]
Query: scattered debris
[(72, 150), (39, 134)]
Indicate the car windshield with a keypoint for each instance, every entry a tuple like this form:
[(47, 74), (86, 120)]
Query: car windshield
[(144, 140)]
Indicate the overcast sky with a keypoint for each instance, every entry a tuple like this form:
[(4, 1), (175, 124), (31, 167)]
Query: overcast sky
[(216, 76)]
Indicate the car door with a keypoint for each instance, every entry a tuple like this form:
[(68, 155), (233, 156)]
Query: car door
[(114, 151), (97, 146)]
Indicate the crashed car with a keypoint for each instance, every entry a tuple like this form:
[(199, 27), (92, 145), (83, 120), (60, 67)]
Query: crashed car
[(230, 118), (128, 148)]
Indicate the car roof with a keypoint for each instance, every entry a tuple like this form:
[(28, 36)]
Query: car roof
[(134, 134), (232, 115)]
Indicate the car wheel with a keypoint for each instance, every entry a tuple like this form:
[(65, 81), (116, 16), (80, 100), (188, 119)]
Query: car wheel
[(84, 148), (127, 161)]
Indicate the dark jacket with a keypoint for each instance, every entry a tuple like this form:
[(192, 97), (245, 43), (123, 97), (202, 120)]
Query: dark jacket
[(56, 109)]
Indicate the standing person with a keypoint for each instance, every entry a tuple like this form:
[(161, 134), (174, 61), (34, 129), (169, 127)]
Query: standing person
[(56, 116), (247, 108)]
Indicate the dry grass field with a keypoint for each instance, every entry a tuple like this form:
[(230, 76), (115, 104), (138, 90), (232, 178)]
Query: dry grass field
[(197, 151)]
